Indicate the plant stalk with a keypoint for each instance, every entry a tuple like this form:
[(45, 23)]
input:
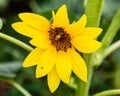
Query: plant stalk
[(16, 41), (17, 86), (107, 39), (111, 49), (109, 93), (93, 12)]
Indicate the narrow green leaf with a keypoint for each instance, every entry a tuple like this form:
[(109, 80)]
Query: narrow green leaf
[(9, 69)]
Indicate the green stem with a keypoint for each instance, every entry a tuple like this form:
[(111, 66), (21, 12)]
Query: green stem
[(16, 41), (108, 37), (83, 88), (109, 93), (112, 48), (1, 23), (17, 86), (112, 30), (93, 12)]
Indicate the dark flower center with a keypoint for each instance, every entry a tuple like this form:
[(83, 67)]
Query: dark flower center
[(60, 39)]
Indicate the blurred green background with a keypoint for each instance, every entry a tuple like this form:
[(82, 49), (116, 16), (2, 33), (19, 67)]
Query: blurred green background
[(107, 76)]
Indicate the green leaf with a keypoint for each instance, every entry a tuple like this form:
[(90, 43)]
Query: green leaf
[(9, 69), (1, 23)]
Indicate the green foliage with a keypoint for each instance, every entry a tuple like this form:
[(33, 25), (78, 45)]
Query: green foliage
[(9, 69), (107, 76)]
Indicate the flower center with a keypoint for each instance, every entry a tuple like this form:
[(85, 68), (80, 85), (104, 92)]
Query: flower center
[(60, 39)]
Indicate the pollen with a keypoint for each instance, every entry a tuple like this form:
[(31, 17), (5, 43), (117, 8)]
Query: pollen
[(60, 39)]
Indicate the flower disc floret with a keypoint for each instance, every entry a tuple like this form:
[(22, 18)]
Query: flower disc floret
[(60, 39)]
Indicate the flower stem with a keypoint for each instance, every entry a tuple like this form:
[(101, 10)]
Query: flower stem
[(17, 86), (108, 93), (112, 30), (112, 48), (1, 23), (107, 39), (16, 41), (93, 12), (83, 88)]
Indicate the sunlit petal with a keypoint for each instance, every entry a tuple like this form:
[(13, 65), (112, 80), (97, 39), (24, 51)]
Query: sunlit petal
[(53, 80), (64, 66), (35, 21), (46, 62), (53, 14), (78, 65), (61, 17), (33, 58), (76, 29), (90, 32), (86, 45), (41, 41), (24, 29)]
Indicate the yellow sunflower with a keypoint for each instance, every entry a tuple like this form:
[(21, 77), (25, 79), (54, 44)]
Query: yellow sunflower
[(55, 54)]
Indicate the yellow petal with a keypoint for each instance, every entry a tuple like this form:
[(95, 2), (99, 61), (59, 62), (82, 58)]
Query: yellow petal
[(53, 14), (91, 32), (76, 28), (36, 21), (86, 45), (24, 29), (41, 41), (64, 66), (61, 17), (78, 65), (53, 80), (33, 58), (46, 62)]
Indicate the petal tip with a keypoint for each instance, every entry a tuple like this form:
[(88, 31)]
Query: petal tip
[(66, 80), (84, 17), (85, 80), (21, 14), (52, 90), (14, 25), (100, 30), (24, 14), (63, 6), (100, 44), (24, 65), (37, 75), (53, 14)]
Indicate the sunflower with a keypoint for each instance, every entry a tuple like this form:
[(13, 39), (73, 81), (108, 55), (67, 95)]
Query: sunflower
[(56, 43)]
